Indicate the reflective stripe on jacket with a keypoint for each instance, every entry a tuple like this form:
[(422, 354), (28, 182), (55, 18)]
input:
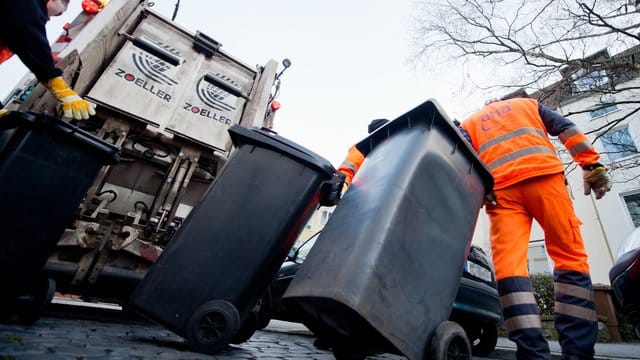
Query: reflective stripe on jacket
[(512, 140), (351, 164), (579, 147)]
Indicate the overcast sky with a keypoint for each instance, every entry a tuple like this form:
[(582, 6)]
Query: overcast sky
[(349, 62)]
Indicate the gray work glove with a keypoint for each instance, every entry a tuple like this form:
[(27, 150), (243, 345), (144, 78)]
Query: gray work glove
[(596, 177)]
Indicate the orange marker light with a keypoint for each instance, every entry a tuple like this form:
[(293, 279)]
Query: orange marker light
[(94, 6), (275, 105), (90, 7)]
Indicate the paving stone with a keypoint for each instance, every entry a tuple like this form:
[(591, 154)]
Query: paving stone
[(62, 338)]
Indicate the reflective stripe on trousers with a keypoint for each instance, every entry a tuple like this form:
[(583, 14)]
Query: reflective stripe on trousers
[(575, 314), (522, 318)]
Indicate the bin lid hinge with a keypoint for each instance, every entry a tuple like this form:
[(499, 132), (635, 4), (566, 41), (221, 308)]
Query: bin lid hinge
[(205, 45)]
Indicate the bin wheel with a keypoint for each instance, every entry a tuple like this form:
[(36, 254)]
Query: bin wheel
[(212, 326), (32, 306), (450, 342), (247, 329), (486, 341)]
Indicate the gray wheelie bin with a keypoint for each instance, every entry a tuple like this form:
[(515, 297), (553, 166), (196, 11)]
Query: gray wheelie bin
[(384, 273), (207, 282), (46, 168)]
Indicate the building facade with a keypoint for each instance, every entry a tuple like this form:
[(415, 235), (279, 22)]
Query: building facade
[(602, 103)]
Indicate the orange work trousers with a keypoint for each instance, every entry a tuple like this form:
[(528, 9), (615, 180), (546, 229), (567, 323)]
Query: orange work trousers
[(546, 199)]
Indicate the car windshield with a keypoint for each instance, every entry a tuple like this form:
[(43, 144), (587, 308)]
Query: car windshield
[(632, 242)]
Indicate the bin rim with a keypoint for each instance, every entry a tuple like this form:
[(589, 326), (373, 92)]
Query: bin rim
[(267, 138), (427, 114), (14, 119)]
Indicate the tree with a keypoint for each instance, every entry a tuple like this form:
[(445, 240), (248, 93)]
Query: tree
[(555, 49)]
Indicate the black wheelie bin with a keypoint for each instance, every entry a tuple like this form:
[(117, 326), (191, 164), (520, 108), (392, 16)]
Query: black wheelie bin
[(384, 273), (46, 168), (206, 283)]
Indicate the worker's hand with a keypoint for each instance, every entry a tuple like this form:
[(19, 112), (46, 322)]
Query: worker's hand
[(3, 112), (73, 105), (331, 190), (345, 187), (490, 199), (596, 178)]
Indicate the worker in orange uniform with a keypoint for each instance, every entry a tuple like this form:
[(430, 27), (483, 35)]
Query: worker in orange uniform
[(511, 137), (23, 32), (354, 159)]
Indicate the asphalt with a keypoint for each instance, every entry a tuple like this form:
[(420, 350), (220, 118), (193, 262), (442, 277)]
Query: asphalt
[(85, 335)]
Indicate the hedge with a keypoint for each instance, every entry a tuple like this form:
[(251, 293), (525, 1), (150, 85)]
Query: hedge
[(543, 291)]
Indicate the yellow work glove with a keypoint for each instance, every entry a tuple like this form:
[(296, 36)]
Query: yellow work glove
[(345, 187), (3, 112), (596, 177), (73, 105)]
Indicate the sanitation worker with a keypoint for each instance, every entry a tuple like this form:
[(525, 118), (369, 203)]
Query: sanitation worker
[(354, 159), (23, 32), (511, 137)]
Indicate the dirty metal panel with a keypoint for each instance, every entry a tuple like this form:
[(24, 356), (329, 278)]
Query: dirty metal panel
[(149, 74), (213, 102)]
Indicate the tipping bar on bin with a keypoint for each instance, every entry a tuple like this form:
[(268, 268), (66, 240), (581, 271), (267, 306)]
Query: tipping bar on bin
[(232, 89), (154, 49)]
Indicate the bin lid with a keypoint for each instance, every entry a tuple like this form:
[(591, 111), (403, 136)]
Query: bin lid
[(427, 115), (57, 127), (266, 138)]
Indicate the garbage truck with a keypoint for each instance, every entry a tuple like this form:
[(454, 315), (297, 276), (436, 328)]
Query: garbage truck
[(166, 97)]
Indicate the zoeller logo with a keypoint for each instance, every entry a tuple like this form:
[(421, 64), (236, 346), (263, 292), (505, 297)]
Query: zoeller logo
[(213, 95), (152, 67), (143, 83)]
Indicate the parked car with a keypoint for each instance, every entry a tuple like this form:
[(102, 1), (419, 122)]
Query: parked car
[(625, 279), (476, 306)]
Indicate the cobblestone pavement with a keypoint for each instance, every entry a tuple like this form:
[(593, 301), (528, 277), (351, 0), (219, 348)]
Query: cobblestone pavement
[(60, 338), (87, 336)]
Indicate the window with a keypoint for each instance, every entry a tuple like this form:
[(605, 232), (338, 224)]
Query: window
[(633, 205), (618, 144), (325, 217), (603, 111), (592, 80), (538, 262)]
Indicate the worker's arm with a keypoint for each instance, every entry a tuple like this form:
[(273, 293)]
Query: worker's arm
[(23, 31), (351, 164), (571, 137), (595, 177)]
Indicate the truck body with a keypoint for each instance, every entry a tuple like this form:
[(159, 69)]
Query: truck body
[(166, 97)]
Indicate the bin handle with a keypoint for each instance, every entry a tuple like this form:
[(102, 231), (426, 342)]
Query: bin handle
[(232, 89), (148, 46)]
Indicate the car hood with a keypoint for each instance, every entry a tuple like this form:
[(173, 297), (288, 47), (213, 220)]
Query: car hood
[(632, 242)]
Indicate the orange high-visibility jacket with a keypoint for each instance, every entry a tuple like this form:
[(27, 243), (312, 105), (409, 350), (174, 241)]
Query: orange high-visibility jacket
[(351, 164), (511, 137)]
